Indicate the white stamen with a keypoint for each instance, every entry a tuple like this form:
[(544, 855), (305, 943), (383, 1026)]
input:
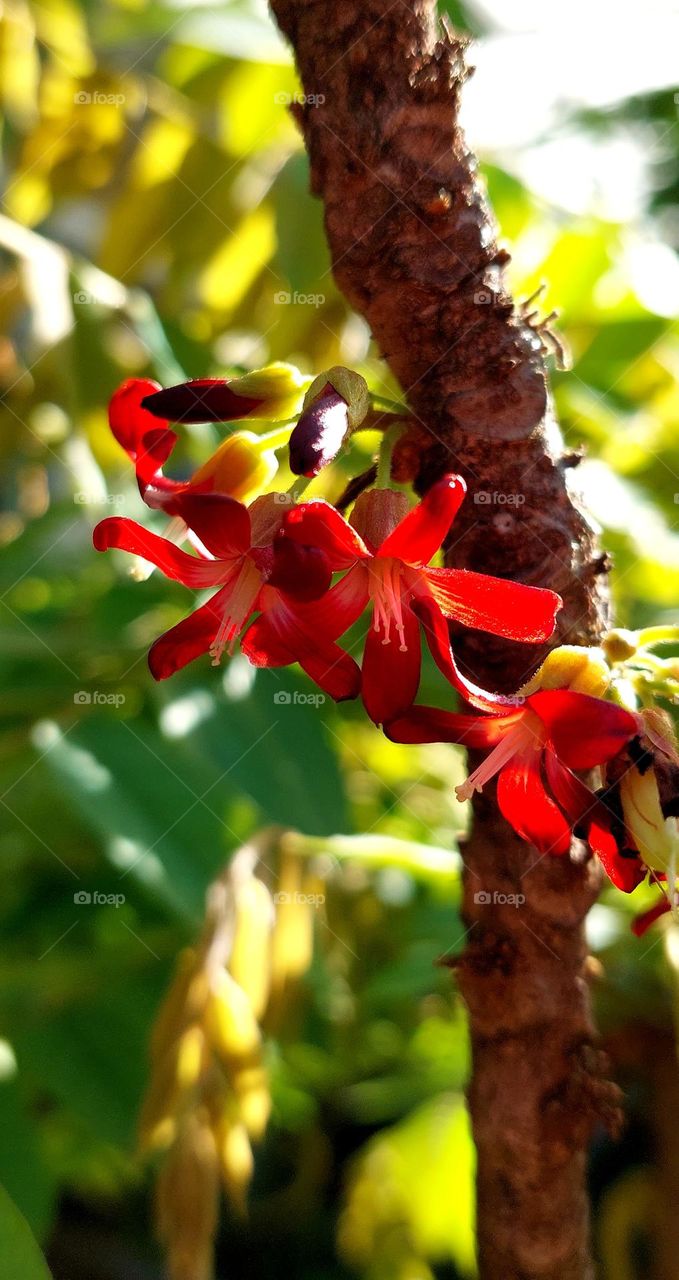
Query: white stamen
[(526, 735), (388, 599), (238, 607)]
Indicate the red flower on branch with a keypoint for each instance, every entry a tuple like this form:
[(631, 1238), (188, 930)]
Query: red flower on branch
[(240, 465), (388, 568), (535, 749), (256, 571)]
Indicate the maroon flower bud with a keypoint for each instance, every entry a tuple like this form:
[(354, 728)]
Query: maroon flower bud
[(319, 434), (201, 400)]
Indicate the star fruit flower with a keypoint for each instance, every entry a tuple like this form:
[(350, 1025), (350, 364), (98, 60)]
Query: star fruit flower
[(255, 571), (140, 412), (559, 727), (386, 550)]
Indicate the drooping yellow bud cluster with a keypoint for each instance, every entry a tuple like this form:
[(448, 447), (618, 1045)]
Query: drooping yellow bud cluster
[(208, 1098)]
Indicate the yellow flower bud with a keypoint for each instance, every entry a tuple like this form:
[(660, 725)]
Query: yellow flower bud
[(239, 467), (236, 1161), (187, 1201), (655, 836), (584, 670), (620, 644), (230, 1023), (250, 962), (251, 1087), (280, 386)]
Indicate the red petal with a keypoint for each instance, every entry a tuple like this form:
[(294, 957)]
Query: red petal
[(318, 524), (147, 444), (391, 675), (644, 921), (339, 608), (188, 640), (428, 724), (278, 638), (438, 639), (332, 669), (126, 417), (419, 535), (264, 646), (221, 523), (127, 535), (575, 798), (524, 802), (583, 730), (200, 400), (302, 572), (497, 605)]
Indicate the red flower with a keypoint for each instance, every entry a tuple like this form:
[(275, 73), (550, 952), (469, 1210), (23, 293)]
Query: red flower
[(388, 569), (535, 748), (145, 440), (242, 463), (256, 571)]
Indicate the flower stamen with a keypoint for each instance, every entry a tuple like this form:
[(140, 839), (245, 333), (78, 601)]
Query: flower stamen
[(527, 735), (387, 596), (238, 607)]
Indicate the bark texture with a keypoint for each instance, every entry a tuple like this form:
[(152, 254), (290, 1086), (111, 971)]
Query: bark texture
[(414, 250)]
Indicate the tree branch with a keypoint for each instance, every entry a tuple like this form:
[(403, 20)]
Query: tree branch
[(414, 250)]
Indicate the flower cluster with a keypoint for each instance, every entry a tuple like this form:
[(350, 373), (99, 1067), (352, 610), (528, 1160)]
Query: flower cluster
[(291, 577)]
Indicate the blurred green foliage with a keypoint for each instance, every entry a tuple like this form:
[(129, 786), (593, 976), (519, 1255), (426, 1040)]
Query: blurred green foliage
[(157, 220)]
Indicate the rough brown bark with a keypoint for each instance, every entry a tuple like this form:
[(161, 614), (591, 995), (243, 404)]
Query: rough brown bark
[(414, 250)]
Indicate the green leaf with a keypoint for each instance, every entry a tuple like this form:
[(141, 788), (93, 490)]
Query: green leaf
[(149, 799), (272, 743), (21, 1257)]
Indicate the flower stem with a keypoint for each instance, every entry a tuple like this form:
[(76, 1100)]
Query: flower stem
[(389, 440)]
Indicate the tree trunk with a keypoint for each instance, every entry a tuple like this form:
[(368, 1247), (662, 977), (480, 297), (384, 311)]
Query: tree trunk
[(414, 250)]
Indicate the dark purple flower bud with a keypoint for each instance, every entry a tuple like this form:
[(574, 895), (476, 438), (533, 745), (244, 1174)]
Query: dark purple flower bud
[(201, 400), (319, 434)]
